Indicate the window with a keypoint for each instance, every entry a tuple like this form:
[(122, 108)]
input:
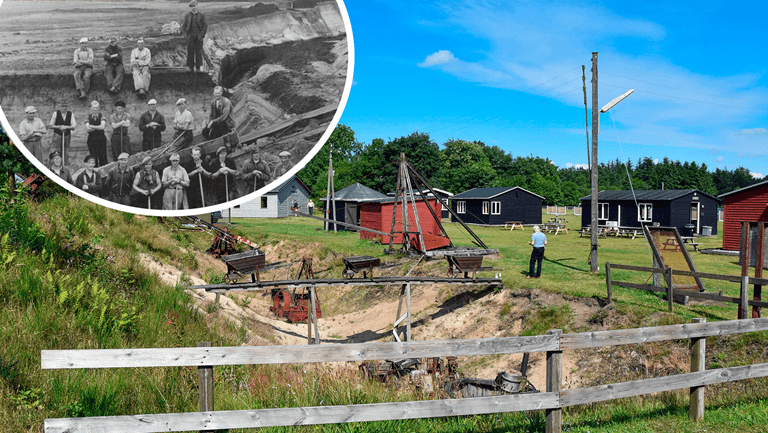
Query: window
[(263, 203), (485, 208), (495, 208), (645, 212), (461, 207), (602, 211)]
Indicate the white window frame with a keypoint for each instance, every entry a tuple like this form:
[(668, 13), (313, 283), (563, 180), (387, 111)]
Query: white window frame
[(486, 207), (602, 211), (495, 208), (645, 212), (461, 207)]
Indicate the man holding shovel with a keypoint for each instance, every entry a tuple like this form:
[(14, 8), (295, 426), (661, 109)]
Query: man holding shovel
[(152, 124), (175, 181), (120, 121)]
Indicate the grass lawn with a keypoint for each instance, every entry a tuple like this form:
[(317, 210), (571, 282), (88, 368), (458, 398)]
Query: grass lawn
[(565, 269)]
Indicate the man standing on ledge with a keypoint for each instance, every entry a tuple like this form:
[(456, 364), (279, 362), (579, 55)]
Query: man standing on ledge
[(195, 28), (538, 240), (83, 61), (140, 60)]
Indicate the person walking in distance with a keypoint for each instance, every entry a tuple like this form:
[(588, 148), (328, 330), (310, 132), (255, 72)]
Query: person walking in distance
[(538, 241)]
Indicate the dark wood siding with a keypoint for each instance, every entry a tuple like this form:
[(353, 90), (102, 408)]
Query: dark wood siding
[(516, 205), (749, 205)]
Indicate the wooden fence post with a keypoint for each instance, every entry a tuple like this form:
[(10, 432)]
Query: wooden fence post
[(205, 381), (670, 289), (698, 353), (744, 304), (608, 281), (554, 384)]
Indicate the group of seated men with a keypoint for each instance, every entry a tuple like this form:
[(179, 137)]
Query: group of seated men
[(194, 27)]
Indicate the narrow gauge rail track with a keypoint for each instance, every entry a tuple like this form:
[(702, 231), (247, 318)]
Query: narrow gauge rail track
[(378, 281)]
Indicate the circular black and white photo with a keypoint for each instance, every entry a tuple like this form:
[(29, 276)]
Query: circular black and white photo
[(172, 107)]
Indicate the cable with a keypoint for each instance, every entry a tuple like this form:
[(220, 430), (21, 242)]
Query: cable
[(681, 98)]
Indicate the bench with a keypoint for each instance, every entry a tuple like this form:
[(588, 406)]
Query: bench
[(588, 231), (513, 225)]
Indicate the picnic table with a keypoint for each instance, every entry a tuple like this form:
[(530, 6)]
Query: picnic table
[(687, 241), (627, 231), (587, 230), (554, 227), (514, 224), (691, 241)]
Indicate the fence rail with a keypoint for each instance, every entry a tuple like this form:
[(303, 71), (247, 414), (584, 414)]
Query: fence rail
[(552, 401), (743, 302)]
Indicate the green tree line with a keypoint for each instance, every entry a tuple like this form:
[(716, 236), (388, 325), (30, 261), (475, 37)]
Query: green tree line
[(459, 165)]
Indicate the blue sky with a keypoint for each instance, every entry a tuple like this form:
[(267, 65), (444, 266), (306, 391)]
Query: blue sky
[(508, 73)]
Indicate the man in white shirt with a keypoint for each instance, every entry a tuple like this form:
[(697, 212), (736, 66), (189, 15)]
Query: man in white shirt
[(31, 130), (83, 62), (183, 123), (140, 60)]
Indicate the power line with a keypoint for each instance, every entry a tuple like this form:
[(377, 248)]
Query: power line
[(683, 99)]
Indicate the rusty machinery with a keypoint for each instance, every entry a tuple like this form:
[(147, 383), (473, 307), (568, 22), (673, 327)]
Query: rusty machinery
[(295, 305)]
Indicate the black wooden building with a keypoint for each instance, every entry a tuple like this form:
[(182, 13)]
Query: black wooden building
[(668, 208), (497, 206), (348, 201)]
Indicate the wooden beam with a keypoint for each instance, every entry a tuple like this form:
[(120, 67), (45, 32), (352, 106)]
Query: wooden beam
[(698, 352), (573, 397), (245, 419), (194, 356), (588, 340)]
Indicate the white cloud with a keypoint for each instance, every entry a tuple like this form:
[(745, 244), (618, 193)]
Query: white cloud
[(656, 161), (754, 131), (577, 166), (719, 159), (437, 58), (757, 175)]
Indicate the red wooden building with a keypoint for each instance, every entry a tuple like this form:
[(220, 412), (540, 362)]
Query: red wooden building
[(745, 204), (378, 216)]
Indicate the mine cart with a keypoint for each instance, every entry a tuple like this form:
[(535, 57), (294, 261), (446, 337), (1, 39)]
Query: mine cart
[(292, 305), (249, 263), (458, 264), (506, 382), (360, 263)]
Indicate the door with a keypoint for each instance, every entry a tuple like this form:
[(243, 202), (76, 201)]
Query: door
[(695, 214), (350, 215)]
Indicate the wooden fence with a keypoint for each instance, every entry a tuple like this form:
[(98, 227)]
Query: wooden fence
[(673, 293), (552, 400)]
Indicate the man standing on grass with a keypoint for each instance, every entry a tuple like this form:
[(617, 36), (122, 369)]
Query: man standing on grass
[(538, 240)]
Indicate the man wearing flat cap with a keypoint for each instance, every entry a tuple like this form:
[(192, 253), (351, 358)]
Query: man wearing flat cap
[(223, 171), (141, 58), (31, 130), (58, 168), (113, 65), (120, 181), (146, 183), (120, 121), (83, 62), (255, 172), (152, 124), (285, 164), (183, 123), (194, 27)]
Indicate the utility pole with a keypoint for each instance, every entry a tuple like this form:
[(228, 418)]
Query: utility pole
[(595, 125), (330, 196)]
